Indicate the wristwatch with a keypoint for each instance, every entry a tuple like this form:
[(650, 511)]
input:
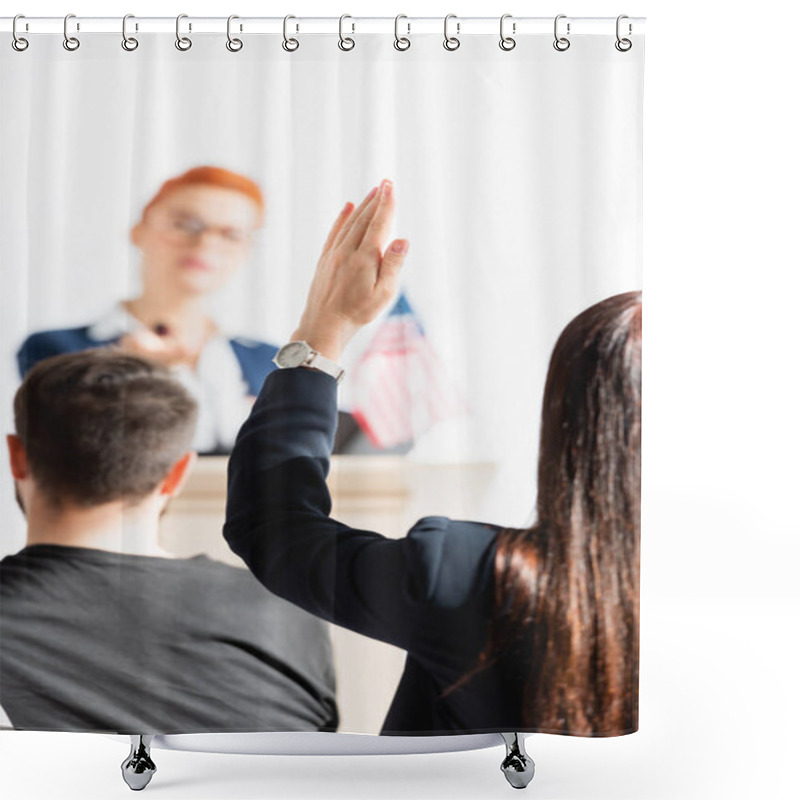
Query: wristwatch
[(301, 354)]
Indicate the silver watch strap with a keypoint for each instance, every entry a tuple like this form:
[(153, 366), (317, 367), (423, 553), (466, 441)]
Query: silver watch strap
[(318, 361)]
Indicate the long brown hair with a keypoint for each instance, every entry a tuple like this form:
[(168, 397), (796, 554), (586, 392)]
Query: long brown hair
[(566, 621)]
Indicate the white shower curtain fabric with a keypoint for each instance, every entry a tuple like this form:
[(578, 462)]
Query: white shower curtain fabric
[(517, 181)]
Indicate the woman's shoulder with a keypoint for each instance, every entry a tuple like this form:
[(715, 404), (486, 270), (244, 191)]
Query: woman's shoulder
[(455, 558), (245, 343), (255, 360), (43, 344), (253, 353), (65, 335)]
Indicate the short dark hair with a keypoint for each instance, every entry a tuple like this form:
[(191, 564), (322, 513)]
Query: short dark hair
[(100, 426)]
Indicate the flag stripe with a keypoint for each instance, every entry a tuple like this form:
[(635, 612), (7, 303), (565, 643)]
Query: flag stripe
[(401, 388)]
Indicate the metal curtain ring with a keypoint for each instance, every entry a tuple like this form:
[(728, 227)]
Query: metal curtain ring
[(561, 43), (70, 42), (345, 42), (18, 42), (451, 42), (181, 42), (623, 45), (233, 44), (401, 42), (506, 42), (290, 45), (129, 43)]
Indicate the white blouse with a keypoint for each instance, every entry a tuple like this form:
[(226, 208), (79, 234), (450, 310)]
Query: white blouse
[(217, 384)]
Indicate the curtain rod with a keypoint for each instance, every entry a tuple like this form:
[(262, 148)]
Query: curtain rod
[(327, 25)]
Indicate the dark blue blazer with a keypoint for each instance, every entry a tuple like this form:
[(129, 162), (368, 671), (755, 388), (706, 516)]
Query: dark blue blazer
[(255, 358), (430, 593)]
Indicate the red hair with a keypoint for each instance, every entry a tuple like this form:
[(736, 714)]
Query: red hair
[(210, 176)]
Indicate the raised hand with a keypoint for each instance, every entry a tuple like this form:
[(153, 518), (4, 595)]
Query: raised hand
[(355, 278)]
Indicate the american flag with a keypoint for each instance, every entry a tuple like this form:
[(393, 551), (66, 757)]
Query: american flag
[(400, 385)]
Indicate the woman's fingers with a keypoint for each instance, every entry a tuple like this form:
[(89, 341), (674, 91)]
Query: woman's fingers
[(355, 279), (337, 226), (354, 237), (389, 272), (377, 230), (345, 229)]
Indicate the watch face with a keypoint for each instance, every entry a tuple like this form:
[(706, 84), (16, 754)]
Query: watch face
[(293, 354)]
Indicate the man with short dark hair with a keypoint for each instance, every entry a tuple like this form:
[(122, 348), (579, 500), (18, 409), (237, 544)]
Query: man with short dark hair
[(101, 630)]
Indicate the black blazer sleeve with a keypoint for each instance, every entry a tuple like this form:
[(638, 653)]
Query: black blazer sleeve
[(277, 521)]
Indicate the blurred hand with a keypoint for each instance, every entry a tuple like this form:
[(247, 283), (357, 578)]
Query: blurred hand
[(165, 350), (355, 279)]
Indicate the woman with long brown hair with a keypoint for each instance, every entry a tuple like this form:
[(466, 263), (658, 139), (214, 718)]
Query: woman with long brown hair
[(505, 630), (567, 589)]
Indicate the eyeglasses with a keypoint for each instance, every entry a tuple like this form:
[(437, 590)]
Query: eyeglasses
[(185, 228)]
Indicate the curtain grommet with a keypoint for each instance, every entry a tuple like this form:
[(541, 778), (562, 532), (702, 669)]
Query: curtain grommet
[(346, 43), (401, 43), (289, 44), (451, 43), (19, 43), (233, 44), (623, 44), (129, 43), (507, 42), (183, 43), (561, 43), (70, 43)]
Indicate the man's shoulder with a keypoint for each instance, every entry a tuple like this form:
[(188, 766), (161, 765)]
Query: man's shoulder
[(66, 567), (230, 580), (231, 586)]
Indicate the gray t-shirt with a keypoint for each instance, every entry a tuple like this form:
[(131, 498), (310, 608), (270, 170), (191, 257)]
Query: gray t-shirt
[(97, 641)]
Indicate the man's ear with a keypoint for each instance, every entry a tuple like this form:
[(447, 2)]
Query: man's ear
[(136, 234), (17, 457), (177, 475)]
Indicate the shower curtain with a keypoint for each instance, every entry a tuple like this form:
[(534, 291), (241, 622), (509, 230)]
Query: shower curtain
[(516, 182)]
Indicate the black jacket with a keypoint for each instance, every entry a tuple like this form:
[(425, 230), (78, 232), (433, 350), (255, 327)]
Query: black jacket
[(430, 593)]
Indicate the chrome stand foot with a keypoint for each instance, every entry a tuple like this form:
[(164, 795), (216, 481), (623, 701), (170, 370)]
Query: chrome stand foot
[(138, 768), (517, 766)]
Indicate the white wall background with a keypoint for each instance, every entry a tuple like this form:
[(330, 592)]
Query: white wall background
[(720, 607)]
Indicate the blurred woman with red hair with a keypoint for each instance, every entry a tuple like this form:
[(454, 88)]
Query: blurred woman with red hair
[(193, 235)]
